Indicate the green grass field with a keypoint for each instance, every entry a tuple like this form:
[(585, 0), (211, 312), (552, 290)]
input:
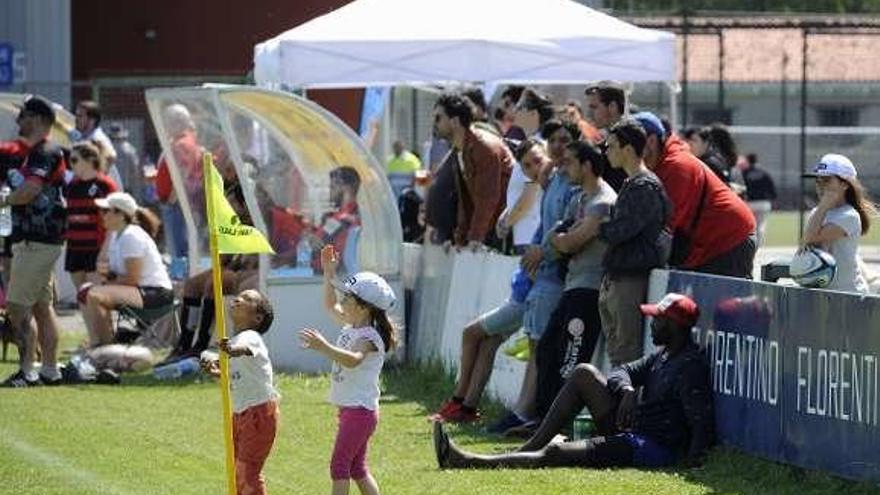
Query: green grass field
[(782, 230), (148, 437)]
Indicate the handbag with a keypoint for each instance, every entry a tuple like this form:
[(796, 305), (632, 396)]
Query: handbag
[(682, 240)]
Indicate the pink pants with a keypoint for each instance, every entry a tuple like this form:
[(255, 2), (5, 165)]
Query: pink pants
[(356, 425), (253, 432)]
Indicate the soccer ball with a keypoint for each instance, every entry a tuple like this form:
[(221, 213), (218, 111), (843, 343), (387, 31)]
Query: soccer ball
[(813, 267)]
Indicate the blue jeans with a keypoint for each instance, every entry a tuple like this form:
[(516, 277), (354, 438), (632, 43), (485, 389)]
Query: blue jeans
[(175, 230)]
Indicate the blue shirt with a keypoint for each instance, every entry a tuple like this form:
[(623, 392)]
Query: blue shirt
[(553, 204)]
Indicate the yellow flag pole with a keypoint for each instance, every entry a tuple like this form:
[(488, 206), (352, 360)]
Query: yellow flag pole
[(219, 318)]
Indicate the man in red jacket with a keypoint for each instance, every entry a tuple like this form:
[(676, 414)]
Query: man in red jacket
[(482, 170), (719, 225)]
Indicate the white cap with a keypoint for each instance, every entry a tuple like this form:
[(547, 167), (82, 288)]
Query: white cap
[(119, 200), (368, 287), (833, 164)]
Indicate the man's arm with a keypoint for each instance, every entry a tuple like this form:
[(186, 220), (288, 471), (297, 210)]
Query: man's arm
[(523, 204), (488, 185), (632, 214), (632, 374)]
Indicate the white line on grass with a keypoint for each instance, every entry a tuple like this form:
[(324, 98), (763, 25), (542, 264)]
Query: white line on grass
[(60, 467)]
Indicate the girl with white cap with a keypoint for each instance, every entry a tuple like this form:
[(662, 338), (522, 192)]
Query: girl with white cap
[(842, 216), (357, 357), (130, 267)]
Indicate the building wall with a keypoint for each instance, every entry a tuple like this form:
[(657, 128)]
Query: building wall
[(39, 32), (170, 38)]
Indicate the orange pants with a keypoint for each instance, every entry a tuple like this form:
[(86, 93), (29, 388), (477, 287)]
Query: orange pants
[(253, 431)]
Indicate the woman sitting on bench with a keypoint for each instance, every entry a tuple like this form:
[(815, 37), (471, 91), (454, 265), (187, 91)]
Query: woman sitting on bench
[(129, 266)]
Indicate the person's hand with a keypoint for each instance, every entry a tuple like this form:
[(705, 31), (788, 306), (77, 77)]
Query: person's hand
[(102, 267), (312, 339), (474, 246), (501, 227), (447, 246), (531, 260), (210, 366), (626, 409), (329, 260)]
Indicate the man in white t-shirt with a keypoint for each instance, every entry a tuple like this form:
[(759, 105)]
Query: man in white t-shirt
[(254, 397), (523, 211), (88, 128)]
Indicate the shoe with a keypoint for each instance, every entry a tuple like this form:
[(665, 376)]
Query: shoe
[(525, 430), (508, 421), (51, 382), (453, 412), (19, 380), (448, 408), (107, 377)]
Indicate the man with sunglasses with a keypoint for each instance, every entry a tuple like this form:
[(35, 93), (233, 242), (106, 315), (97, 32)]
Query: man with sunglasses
[(39, 223), (483, 168)]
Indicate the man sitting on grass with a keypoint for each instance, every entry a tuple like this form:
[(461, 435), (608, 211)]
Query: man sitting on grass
[(670, 421)]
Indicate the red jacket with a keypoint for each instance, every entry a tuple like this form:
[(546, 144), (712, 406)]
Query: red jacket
[(482, 185), (726, 219)]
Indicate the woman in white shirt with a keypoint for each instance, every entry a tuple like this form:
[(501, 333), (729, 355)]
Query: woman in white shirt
[(130, 267), (842, 216)]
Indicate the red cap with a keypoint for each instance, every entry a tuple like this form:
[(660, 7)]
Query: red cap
[(678, 308)]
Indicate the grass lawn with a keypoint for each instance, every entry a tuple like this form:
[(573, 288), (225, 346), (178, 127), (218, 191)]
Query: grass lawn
[(148, 437), (782, 230)]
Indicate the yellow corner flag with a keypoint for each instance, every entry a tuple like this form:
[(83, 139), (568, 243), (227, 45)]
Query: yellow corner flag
[(226, 235), (232, 235)]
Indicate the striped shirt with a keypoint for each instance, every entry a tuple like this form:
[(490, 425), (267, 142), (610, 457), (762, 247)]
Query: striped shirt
[(85, 231)]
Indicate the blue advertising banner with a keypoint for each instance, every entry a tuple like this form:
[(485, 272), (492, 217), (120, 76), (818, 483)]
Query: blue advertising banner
[(7, 74), (794, 371), (373, 107)]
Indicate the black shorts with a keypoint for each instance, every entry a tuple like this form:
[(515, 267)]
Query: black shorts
[(80, 261), (156, 297)]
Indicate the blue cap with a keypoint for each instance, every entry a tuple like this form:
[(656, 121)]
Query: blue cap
[(651, 124)]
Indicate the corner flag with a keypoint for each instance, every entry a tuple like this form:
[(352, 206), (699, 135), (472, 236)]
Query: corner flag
[(232, 235), (226, 234)]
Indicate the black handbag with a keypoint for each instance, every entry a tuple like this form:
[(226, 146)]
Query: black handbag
[(682, 240)]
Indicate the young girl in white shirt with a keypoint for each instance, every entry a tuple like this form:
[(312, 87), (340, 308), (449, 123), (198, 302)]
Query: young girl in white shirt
[(358, 356)]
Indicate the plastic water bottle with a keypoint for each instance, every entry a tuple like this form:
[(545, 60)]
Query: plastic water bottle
[(5, 212), (177, 369), (304, 256), (583, 426)]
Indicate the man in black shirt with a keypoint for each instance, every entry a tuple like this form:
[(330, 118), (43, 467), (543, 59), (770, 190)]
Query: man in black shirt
[(39, 223), (670, 419)]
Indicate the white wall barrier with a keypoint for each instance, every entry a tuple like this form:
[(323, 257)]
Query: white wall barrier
[(454, 288)]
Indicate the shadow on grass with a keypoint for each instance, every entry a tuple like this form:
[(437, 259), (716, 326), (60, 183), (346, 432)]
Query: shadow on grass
[(727, 471)]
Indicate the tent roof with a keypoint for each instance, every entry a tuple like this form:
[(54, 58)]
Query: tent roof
[(398, 42)]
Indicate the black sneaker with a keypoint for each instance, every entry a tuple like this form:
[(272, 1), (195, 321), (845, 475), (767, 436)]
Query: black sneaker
[(19, 380), (51, 382), (508, 421)]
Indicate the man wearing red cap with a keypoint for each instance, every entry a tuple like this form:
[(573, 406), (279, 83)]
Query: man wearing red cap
[(670, 421)]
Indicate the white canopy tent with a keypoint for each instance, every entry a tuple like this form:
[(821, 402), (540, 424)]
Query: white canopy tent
[(418, 42)]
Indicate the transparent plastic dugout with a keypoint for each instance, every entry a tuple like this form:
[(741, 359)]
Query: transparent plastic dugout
[(282, 149)]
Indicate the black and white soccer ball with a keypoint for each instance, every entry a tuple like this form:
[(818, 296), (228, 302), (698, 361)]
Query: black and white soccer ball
[(813, 267)]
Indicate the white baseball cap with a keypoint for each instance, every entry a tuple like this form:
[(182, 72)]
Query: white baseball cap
[(368, 287), (833, 164), (119, 200)]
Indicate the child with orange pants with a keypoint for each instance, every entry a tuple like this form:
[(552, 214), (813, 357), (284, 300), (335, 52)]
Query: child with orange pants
[(254, 398), (358, 356)]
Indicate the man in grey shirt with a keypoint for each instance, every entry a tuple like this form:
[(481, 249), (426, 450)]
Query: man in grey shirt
[(574, 326)]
